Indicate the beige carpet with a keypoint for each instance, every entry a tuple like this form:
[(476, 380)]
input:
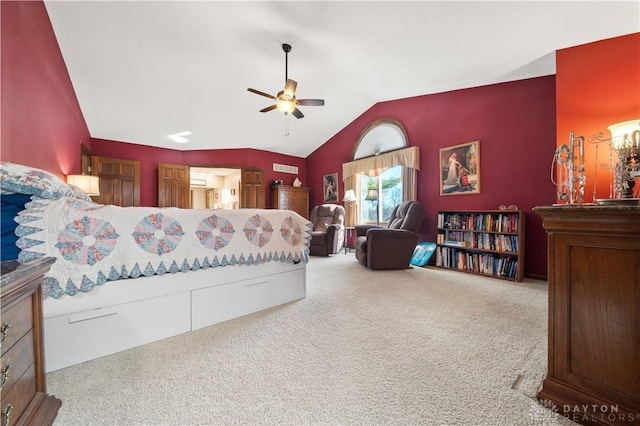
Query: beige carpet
[(416, 347)]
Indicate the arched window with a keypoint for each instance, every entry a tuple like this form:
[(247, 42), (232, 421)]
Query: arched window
[(378, 137), (383, 172)]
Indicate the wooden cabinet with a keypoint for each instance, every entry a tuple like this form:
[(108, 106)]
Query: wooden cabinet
[(174, 184), (253, 190), (488, 242), (287, 197), (22, 372), (593, 374), (119, 181)]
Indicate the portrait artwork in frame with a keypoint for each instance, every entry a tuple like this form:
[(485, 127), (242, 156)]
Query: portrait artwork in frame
[(330, 188), (460, 169)]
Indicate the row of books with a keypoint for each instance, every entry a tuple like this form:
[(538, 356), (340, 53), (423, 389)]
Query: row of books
[(498, 242), (495, 222), (482, 263)]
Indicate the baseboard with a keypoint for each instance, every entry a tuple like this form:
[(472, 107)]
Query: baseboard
[(537, 277)]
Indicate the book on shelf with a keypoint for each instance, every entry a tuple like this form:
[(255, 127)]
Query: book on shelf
[(482, 263), (455, 243), (485, 221)]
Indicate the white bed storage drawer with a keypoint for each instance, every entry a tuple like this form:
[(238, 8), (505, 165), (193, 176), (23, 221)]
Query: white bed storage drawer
[(82, 336), (219, 303)]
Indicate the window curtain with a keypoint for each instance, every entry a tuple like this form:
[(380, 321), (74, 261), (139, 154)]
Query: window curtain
[(376, 164), (372, 166)]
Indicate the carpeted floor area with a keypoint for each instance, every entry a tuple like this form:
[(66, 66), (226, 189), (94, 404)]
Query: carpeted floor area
[(422, 346)]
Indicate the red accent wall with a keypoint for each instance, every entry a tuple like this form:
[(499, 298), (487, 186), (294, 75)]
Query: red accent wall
[(515, 124), (149, 158), (42, 124), (597, 85)]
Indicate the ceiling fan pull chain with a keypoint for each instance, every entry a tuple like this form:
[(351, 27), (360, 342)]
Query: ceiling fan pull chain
[(286, 125)]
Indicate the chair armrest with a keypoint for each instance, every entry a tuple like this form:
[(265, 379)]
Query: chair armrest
[(361, 230), (333, 229), (335, 237), (385, 233), (390, 248)]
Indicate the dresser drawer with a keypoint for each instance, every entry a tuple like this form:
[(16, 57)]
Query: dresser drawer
[(288, 202), (294, 205), (16, 321), (286, 197), (19, 396), (15, 362)]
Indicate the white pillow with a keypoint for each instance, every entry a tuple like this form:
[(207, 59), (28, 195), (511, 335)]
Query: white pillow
[(32, 181), (80, 194)]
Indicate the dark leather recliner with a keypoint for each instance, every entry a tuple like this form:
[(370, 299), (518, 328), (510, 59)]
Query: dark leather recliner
[(327, 237), (379, 247)]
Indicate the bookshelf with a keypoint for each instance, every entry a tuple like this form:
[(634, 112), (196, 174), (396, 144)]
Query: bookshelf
[(482, 242)]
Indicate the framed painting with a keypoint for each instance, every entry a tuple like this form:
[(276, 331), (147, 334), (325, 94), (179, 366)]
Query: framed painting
[(460, 169), (330, 188)]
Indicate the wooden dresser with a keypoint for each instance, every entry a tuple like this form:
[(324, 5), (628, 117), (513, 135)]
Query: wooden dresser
[(22, 371), (287, 197), (593, 374)]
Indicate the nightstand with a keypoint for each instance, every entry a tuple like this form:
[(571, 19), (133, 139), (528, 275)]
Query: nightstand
[(22, 371)]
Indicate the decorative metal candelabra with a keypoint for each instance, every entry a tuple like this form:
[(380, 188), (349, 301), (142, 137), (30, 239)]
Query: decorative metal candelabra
[(625, 142), (571, 170)]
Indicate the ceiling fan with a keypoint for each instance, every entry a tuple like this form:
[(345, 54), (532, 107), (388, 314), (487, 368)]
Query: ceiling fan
[(286, 101)]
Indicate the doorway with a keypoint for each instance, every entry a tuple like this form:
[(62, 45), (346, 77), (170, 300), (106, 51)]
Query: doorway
[(215, 187)]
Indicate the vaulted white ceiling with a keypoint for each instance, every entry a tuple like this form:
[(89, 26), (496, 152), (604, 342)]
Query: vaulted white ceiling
[(147, 69)]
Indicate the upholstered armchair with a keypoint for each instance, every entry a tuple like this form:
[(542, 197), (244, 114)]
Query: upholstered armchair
[(379, 247), (327, 237)]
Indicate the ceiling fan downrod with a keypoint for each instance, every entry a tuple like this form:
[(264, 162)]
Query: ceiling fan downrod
[(287, 48)]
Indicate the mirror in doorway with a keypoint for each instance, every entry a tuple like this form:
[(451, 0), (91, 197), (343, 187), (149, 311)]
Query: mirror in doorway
[(215, 187)]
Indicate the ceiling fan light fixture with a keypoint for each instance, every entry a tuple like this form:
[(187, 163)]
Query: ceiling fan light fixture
[(285, 106)]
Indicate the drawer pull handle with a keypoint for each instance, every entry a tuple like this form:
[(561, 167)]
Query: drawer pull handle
[(96, 313), (4, 376), (255, 282), (6, 415), (4, 330)]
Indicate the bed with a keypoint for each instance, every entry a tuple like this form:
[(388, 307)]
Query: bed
[(124, 277)]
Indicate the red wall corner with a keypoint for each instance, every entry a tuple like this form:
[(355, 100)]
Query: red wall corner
[(42, 124)]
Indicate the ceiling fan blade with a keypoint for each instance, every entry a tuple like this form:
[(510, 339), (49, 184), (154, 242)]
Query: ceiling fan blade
[(269, 108), (297, 113), (257, 92), (290, 88), (310, 102)]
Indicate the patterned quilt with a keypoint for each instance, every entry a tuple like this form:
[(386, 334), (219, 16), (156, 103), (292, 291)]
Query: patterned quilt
[(96, 243)]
